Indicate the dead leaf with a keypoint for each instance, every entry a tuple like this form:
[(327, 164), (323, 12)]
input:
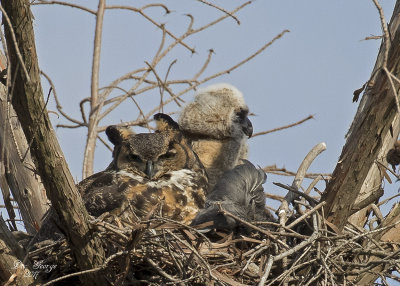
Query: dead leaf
[(385, 174), (333, 227), (357, 93)]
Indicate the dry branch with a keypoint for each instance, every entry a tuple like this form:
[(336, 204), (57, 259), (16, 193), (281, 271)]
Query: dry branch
[(17, 170), (12, 271), (301, 172), (101, 104), (273, 169), (283, 127), (95, 103), (44, 2), (167, 253), (27, 100), (373, 131)]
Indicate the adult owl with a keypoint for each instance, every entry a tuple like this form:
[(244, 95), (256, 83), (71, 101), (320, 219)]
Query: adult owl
[(148, 169), (217, 125)]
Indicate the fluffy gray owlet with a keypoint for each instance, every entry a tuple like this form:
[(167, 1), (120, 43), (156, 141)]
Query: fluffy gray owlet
[(217, 125)]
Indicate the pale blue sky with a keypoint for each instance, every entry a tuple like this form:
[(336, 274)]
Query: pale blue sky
[(314, 69)]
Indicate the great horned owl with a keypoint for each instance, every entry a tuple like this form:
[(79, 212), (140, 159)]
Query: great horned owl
[(240, 192), (147, 169), (217, 125)]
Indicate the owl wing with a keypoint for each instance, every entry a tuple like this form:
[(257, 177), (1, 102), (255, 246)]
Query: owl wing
[(180, 195), (108, 191), (240, 192)]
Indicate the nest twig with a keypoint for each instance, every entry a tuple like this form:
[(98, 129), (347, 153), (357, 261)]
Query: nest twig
[(159, 251)]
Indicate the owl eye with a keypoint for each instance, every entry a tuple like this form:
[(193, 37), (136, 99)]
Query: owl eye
[(241, 115), (169, 155), (133, 157)]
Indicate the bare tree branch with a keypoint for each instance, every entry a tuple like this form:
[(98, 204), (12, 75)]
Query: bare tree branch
[(95, 105), (160, 26), (283, 127), (221, 9), (27, 99), (44, 2), (373, 131), (58, 104)]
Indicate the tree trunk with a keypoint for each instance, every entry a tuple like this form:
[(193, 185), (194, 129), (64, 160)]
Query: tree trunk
[(27, 99), (11, 268), (11, 255), (389, 235), (10, 241), (17, 171), (373, 132)]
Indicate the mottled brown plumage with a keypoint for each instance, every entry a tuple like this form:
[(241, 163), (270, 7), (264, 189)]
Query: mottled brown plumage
[(147, 169)]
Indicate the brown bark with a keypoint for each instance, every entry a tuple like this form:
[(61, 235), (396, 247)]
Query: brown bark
[(28, 102), (11, 254), (17, 171), (9, 272), (8, 238), (373, 132), (391, 235)]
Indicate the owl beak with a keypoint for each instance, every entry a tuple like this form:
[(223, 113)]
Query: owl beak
[(247, 127), (149, 169)]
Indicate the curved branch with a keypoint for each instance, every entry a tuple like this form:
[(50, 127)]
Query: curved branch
[(160, 26), (283, 127), (95, 106), (58, 105), (44, 2)]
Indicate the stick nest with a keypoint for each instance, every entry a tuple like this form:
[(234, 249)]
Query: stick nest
[(159, 251)]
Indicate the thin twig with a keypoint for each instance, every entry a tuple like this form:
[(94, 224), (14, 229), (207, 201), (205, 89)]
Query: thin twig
[(273, 169), (283, 127), (160, 26), (44, 2), (160, 271), (14, 40), (221, 9), (225, 212), (58, 105), (105, 264), (205, 65), (222, 18), (308, 213), (267, 270), (227, 71), (386, 45), (310, 199), (385, 32)]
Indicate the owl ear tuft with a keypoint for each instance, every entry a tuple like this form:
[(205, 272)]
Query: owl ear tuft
[(165, 123), (116, 134)]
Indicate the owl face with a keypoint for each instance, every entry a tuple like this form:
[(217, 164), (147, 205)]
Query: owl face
[(241, 124), (218, 111), (152, 155)]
